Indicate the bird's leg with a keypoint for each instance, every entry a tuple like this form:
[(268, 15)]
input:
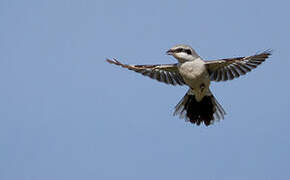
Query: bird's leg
[(202, 87)]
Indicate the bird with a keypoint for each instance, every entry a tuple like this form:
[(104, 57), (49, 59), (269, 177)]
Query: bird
[(198, 106)]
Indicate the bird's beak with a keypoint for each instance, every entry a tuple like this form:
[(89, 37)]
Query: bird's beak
[(169, 52)]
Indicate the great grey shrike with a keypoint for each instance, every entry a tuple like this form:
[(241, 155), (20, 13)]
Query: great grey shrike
[(198, 105)]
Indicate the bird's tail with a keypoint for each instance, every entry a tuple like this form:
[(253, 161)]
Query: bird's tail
[(207, 110)]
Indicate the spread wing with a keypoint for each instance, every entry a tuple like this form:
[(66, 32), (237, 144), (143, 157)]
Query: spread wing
[(228, 69), (167, 73)]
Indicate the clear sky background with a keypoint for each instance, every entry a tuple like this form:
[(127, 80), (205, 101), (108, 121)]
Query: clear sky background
[(67, 114)]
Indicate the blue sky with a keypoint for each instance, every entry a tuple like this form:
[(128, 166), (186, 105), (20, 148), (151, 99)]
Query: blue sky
[(67, 114)]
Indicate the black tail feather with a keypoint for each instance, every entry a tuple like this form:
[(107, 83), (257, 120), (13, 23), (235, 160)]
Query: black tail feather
[(199, 112), (205, 111)]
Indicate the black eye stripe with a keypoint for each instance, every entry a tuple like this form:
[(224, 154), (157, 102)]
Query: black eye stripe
[(187, 51)]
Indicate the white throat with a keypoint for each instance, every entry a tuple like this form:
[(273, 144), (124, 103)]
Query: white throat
[(183, 57)]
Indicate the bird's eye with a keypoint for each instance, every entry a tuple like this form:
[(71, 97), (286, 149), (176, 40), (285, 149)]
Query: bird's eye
[(187, 51), (178, 50)]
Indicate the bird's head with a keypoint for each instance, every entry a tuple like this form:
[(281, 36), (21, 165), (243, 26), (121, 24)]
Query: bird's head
[(182, 53)]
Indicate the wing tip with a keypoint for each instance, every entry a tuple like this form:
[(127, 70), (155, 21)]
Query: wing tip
[(267, 52), (113, 61)]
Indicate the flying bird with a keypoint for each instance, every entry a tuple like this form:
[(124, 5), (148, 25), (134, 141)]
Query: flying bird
[(198, 105)]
